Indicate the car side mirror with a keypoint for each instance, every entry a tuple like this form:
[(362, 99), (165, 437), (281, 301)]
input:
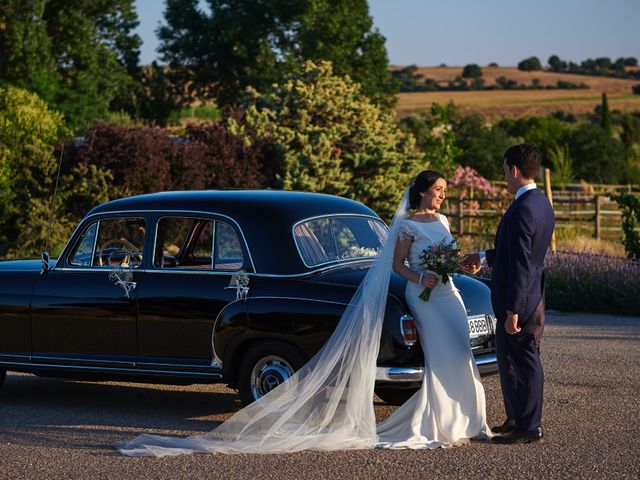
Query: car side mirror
[(45, 263)]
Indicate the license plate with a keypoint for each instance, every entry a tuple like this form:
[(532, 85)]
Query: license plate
[(478, 326)]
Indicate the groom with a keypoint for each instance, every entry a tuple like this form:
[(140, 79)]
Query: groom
[(517, 295)]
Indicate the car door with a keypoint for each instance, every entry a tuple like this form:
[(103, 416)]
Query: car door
[(186, 287), (81, 310)]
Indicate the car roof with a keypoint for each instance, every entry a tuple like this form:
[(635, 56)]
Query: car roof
[(235, 202), (265, 217)]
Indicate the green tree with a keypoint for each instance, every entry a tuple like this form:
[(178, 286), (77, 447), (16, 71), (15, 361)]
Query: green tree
[(435, 136), (157, 99), (81, 56), (26, 59), (481, 146), (472, 71), (530, 64), (605, 114), (331, 138), (597, 155), (546, 133), (241, 43), (556, 65)]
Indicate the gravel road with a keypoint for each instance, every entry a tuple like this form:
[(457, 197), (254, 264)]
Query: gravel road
[(62, 429)]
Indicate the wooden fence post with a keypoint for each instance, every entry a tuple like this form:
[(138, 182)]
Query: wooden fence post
[(549, 194), (598, 202), (460, 220)]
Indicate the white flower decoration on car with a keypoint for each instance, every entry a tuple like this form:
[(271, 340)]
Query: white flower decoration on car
[(359, 252)]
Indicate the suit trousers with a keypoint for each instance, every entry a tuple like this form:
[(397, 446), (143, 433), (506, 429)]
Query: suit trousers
[(521, 374)]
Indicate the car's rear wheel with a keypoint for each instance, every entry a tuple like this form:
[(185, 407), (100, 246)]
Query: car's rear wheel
[(265, 366), (3, 374), (395, 396)]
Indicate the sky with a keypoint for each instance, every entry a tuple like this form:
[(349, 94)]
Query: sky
[(459, 32)]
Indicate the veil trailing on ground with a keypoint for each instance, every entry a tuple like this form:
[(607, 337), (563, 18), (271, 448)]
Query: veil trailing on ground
[(327, 404)]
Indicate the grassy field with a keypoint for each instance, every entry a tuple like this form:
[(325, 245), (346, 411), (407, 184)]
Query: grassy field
[(497, 104)]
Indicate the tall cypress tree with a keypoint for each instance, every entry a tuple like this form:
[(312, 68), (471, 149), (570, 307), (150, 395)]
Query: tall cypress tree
[(605, 114)]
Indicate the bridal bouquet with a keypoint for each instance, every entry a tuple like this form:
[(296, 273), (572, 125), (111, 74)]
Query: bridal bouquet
[(443, 258)]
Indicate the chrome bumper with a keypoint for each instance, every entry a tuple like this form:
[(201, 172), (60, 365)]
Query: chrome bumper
[(487, 365)]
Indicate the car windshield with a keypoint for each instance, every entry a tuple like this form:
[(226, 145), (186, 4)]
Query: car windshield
[(338, 238)]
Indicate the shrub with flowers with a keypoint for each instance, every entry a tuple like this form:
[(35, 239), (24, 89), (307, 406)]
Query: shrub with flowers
[(588, 282), (479, 197)]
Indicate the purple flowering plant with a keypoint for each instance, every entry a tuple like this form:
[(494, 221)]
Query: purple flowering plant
[(590, 282)]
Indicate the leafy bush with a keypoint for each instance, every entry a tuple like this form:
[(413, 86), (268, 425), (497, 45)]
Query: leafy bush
[(561, 165), (29, 130), (331, 138), (584, 282), (144, 160), (630, 206)]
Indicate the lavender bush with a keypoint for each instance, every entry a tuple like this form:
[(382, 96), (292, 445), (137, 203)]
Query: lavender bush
[(587, 282)]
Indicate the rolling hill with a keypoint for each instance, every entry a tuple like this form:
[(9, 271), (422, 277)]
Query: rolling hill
[(497, 104)]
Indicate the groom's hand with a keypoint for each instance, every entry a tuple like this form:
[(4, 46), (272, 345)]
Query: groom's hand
[(511, 323), (471, 263)]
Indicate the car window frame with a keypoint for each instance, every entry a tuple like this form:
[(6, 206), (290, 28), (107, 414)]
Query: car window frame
[(150, 215), (246, 257), (84, 225)]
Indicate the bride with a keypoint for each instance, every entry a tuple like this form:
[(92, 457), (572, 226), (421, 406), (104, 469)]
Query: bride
[(328, 403)]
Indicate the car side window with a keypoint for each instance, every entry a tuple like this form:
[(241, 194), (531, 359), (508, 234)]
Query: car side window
[(228, 250), (120, 242), (82, 255), (184, 243)]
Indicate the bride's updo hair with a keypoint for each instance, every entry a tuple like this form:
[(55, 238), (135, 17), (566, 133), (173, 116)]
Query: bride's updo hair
[(422, 183)]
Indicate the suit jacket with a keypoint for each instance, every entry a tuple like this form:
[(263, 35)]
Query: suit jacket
[(521, 243)]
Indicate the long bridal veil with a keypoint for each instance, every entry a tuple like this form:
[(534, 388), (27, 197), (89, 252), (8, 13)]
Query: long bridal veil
[(327, 404)]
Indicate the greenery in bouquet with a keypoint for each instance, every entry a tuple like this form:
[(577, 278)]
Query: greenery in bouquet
[(442, 258)]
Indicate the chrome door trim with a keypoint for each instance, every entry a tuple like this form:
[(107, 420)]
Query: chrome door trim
[(213, 375), (274, 297), (229, 272)]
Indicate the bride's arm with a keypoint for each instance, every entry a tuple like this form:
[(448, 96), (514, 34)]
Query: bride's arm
[(403, 245)]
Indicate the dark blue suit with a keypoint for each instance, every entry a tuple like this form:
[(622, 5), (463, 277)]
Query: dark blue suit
[(517, 285)]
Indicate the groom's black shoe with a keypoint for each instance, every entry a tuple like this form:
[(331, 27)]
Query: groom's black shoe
[(508, 426), (520, 436)]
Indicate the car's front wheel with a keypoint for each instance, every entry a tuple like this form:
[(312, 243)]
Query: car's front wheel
[(395, 396), (265, 366), (3, 374)]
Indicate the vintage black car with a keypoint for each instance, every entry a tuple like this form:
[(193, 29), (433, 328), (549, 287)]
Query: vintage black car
[(240, 287)]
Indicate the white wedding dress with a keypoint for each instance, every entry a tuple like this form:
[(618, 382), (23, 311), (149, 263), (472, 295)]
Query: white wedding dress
[(450, 405), (328, 403)]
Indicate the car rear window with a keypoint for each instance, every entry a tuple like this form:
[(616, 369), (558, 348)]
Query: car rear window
[(339, 238)]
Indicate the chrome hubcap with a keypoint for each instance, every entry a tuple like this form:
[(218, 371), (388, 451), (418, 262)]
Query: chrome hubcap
[(268, 373)]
